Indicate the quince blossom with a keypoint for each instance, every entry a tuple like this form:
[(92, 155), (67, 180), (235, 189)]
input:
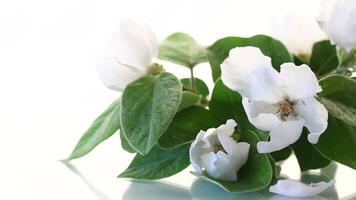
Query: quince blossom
[(127, 55), (282, 103), (217, 153)]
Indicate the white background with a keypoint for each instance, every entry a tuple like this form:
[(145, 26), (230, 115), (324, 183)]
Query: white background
[(50, 92)]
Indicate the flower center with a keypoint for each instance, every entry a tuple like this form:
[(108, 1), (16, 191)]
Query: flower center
[(217, 148), (285, 109)]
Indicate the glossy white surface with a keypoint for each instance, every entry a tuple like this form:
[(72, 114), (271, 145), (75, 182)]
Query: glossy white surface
[(185, 186), (50, 92)]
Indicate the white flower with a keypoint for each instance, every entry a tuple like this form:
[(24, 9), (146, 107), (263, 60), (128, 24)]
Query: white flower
[(217, 153), (288, 25), (338, 20), (127, 55), (281, 103), (293, 188)]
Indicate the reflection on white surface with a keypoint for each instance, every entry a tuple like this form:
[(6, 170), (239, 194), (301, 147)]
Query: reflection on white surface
[(91, 186), (50, 91), (155, 191), (200, 189)]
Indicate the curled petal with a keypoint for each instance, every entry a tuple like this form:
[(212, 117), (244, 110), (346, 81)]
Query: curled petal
[(127, 54), (299, 82), (195, 152), (315, 116), (228, 128), (211, 135), (220, 166), (224, 167), (250, 73), (293, 188), (283, 135), (205, 141), (261, 114), (223, 164)]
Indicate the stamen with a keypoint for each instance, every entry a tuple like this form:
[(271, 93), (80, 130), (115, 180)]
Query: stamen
[(285, 109), (217, 148)]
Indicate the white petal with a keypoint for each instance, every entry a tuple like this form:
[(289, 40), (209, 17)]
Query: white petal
[(283, 135), (134, 43), (113, 74), (127, 54), (224, 135), (315, 116), (211, 136), (337, 19), (228, 128), (261, 114), (299, 82), (195, 152), (324, 15), (250, 73), (293, 188), (221, 166), (232, 147), (287, 25)]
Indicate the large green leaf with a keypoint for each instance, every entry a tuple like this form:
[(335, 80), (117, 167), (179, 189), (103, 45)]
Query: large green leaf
[(324, 58), (100, 130), (308, 157), (148, 107), (338, 142), (255, 175), (182, 49), (158, 163), (186, 125), (339, 97), (270, 47), (227, 104), (125, 144), (201, 87)]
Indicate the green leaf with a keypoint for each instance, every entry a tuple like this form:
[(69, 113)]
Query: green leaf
[(339, 97), (270, 47), (189, 99), (148, 107), (100, 130), (347, 59), (281, 154), (125, 144), (182, 49), (338, 142), (308, 157), (227, 104), (201, 87), (324, 58), (300, 60), (255, 175), (158, 163), (186, 125)]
